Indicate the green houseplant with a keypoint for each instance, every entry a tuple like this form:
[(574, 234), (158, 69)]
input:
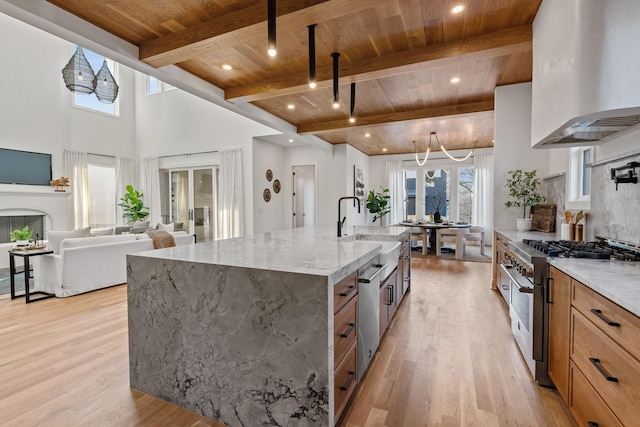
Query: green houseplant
[(133, 208), (523, 190), (21, 236), (377, 204)]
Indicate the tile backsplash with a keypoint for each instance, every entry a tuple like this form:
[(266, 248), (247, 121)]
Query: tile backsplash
[(614, 214)]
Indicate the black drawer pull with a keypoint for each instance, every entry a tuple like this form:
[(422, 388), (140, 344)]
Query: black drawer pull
[(352, 376), (604, 319), (352, 326), (592, 424), (596, 363), (391, 294), (549, 280), (349, 292)]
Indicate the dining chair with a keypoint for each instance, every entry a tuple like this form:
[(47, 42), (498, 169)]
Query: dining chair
[(476, 234), (451, 235)]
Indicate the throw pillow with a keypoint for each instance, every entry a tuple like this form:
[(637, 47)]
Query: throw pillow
[(177, 226), (101, 231), (144, 224), (166, 227), (55, 237)]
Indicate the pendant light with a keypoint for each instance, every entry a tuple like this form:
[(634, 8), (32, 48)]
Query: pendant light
[(434, 134), (312, 55), (78, 75), (106, 88), (336, 95), (352, 110), (271, 27)]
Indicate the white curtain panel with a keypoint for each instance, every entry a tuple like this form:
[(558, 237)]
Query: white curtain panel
[(482, 211), (230, 204), (393, 171), (75, 168), (150, 188), (126, 173)]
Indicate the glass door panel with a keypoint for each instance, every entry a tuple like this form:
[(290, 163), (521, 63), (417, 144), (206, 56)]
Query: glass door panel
[(203, 204), (180, 209)]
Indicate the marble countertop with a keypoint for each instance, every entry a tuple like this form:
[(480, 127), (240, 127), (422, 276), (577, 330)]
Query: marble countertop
[(618, 281), (307, 250)]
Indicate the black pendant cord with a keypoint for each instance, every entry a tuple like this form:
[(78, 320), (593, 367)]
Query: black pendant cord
[(352, 110), (336, 95), (271, 27), (312, 55)]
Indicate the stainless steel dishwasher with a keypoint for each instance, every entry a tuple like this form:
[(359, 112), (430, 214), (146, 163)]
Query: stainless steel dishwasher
[(369, 277)]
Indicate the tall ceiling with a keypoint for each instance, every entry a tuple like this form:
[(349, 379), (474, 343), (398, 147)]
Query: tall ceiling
[(402, 55)]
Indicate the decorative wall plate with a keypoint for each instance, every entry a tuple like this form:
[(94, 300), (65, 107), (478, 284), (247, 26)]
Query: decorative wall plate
[(276, 185), (266, 194), (269, 175)]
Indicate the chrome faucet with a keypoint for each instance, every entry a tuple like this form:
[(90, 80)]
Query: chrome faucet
[(341, 223)]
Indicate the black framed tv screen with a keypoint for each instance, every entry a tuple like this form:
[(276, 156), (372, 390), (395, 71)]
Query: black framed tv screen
[(24, 167)]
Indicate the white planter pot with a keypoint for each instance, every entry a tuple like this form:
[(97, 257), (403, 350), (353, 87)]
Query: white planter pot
[(22, 243), (523, 224)]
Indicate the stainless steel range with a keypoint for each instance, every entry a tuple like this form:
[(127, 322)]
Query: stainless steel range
[(527, 270)]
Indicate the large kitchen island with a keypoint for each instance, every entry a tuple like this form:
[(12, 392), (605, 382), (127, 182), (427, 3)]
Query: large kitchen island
[(242, 330)]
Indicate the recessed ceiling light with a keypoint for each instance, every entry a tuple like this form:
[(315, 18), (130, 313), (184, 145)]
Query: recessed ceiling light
[(384, 150), (291, 106), (291, 140), (459, 8), (367, 135), (352, 119), (455, 80), (227, 67)]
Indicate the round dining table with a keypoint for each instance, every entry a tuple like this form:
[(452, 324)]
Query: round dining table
[(426, 226)]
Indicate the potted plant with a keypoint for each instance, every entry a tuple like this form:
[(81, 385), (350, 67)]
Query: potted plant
[(377, 204), (21, 237), (132, 206), (523, 190)]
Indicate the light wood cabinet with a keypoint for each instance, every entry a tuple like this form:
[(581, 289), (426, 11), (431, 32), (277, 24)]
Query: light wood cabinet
[(500, 280), (345, 341), (394, 287), (586, 406), (559, 299)]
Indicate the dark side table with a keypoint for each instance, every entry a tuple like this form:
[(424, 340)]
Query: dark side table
[(25, 255)]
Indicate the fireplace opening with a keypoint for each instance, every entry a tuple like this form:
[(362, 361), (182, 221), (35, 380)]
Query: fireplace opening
[(18, 222)]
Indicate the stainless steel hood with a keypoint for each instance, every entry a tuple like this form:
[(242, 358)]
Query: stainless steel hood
[(593, 129)]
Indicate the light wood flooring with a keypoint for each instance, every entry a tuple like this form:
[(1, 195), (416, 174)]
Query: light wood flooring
[(448, 359)]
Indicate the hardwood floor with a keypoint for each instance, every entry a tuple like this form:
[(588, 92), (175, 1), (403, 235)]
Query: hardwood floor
[(448, 359)]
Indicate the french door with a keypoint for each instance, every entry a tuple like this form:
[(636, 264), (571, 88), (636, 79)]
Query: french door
[(193, 201)]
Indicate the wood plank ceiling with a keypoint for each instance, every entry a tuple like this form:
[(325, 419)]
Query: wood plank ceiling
[(402, 55)]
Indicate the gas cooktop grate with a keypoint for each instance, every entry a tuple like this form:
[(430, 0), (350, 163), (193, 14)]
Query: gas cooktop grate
[(590, 250)]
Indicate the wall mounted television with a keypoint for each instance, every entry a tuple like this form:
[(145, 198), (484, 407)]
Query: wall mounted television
[(24, 167)]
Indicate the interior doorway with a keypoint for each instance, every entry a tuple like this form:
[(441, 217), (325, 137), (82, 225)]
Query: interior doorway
[(304, 184)]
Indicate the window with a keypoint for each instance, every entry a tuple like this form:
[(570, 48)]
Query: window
[(579, 180), (102, 195), (410, 192), (90, 101), (465, 193), (155, 86), (436, 191)]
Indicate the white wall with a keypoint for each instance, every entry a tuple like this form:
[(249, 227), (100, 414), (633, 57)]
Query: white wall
[(584, 60), (512, 147), (269, 216), (356, 158)]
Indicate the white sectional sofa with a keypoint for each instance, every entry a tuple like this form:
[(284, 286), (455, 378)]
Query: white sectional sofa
[(85, 264)]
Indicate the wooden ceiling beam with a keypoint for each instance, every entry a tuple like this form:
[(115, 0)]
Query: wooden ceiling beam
[(241, 27), (490, 45), (381, 119)]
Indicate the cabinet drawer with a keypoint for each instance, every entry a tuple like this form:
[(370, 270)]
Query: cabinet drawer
[(344, 291), (345, 330), (502, 241), (598, 357), (628, 331), (344, 382), (585, 404)]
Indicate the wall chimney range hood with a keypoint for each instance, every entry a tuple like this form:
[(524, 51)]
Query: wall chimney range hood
[(593, 129)]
